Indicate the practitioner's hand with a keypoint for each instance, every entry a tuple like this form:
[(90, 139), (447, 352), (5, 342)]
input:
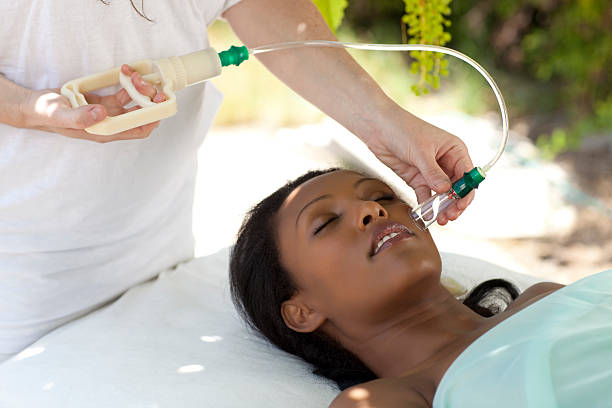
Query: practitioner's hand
[(48, 110), (425, 157), (155, 94)]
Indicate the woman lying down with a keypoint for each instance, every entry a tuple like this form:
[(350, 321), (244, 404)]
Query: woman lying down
[(332, 268)]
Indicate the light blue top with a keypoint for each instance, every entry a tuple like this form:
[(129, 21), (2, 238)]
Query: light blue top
[(556, 352)]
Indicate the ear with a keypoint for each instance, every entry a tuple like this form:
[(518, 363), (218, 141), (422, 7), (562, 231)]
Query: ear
[(299, 316)]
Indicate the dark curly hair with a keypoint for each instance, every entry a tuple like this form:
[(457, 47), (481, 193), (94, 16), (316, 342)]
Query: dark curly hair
[(259, 285)]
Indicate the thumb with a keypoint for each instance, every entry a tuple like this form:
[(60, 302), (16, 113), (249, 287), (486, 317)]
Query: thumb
[(435, 178), (80, 117)]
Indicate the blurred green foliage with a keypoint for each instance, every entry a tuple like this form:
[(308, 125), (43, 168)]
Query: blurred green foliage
[(551, 59), (268, 102), (332, 11), (425, 22), (283, 108), (561, 49)]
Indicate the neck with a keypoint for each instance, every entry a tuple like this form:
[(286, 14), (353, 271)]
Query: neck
[(425, 333)]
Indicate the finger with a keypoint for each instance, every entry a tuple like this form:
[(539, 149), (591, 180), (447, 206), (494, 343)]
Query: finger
[(92, 98), (452, 212), (142, 86), (435, 178), (140, 132), (465, 201), (160, 97), (458, 170), (133, 108), (463, 165), (456, 215), (78, 118), (122, 98), (112, 103), (423, 193), (80, 134), (72, 133), (455, 162), (127, 70)]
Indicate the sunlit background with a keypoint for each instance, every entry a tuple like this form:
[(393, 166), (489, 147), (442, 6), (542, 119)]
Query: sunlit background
[(545, 208)]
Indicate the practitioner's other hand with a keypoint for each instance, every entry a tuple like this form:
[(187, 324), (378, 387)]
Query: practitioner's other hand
[(153, 92), (426, 157), (48, 110)]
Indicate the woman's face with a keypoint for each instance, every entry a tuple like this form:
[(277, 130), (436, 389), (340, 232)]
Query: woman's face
[(352, 248)]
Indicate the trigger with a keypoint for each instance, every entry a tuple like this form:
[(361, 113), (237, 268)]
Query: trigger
[(136, 96)]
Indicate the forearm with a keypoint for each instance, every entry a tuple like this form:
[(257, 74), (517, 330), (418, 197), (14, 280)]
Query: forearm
[(329, 78), (333, 81), (12, 97)]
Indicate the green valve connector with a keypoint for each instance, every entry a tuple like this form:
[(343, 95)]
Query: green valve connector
[(427, 212), (234, 55), (468, 182)]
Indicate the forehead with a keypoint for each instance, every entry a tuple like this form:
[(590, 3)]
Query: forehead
[(328, 183), (317, 186)]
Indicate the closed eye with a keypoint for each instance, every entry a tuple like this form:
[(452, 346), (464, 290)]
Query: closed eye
[(385, 198), (325, 224)]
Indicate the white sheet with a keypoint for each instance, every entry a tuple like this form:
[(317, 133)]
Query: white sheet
[(176, 341)]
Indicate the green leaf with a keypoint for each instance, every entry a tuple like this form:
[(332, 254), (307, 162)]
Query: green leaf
[(436, 82), (426, 21), (332, 11)]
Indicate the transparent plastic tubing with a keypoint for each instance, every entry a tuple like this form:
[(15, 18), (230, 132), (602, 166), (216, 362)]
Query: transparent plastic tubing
[(427, 212), (406, 47)]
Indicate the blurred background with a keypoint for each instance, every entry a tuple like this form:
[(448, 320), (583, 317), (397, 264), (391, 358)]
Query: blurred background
[(546, 206)]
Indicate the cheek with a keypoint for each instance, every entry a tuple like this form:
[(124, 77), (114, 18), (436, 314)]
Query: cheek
[(333, 274), (328, 262)]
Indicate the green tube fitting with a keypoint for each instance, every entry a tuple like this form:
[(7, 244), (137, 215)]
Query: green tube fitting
[(234, 55), (468, 182)]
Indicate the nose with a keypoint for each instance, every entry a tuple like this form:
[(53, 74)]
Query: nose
[(368, 212)]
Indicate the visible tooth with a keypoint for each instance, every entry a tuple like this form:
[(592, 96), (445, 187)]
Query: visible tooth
[(385, 239)]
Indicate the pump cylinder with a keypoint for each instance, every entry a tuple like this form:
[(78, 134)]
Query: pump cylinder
[(427, 212), (189, 69)]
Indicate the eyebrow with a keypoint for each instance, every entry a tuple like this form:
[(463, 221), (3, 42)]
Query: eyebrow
[(361, 180), (324, 196)]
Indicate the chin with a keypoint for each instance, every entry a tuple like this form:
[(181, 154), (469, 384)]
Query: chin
[(422, 265)]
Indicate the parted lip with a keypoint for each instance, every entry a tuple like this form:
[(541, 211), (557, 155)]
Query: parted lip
[(384, 229)]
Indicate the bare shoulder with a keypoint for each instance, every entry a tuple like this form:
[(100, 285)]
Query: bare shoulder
[(541, 288), (535, 292), (386, 392)]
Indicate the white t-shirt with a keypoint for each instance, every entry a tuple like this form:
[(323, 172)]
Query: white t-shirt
[(81, 222)]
